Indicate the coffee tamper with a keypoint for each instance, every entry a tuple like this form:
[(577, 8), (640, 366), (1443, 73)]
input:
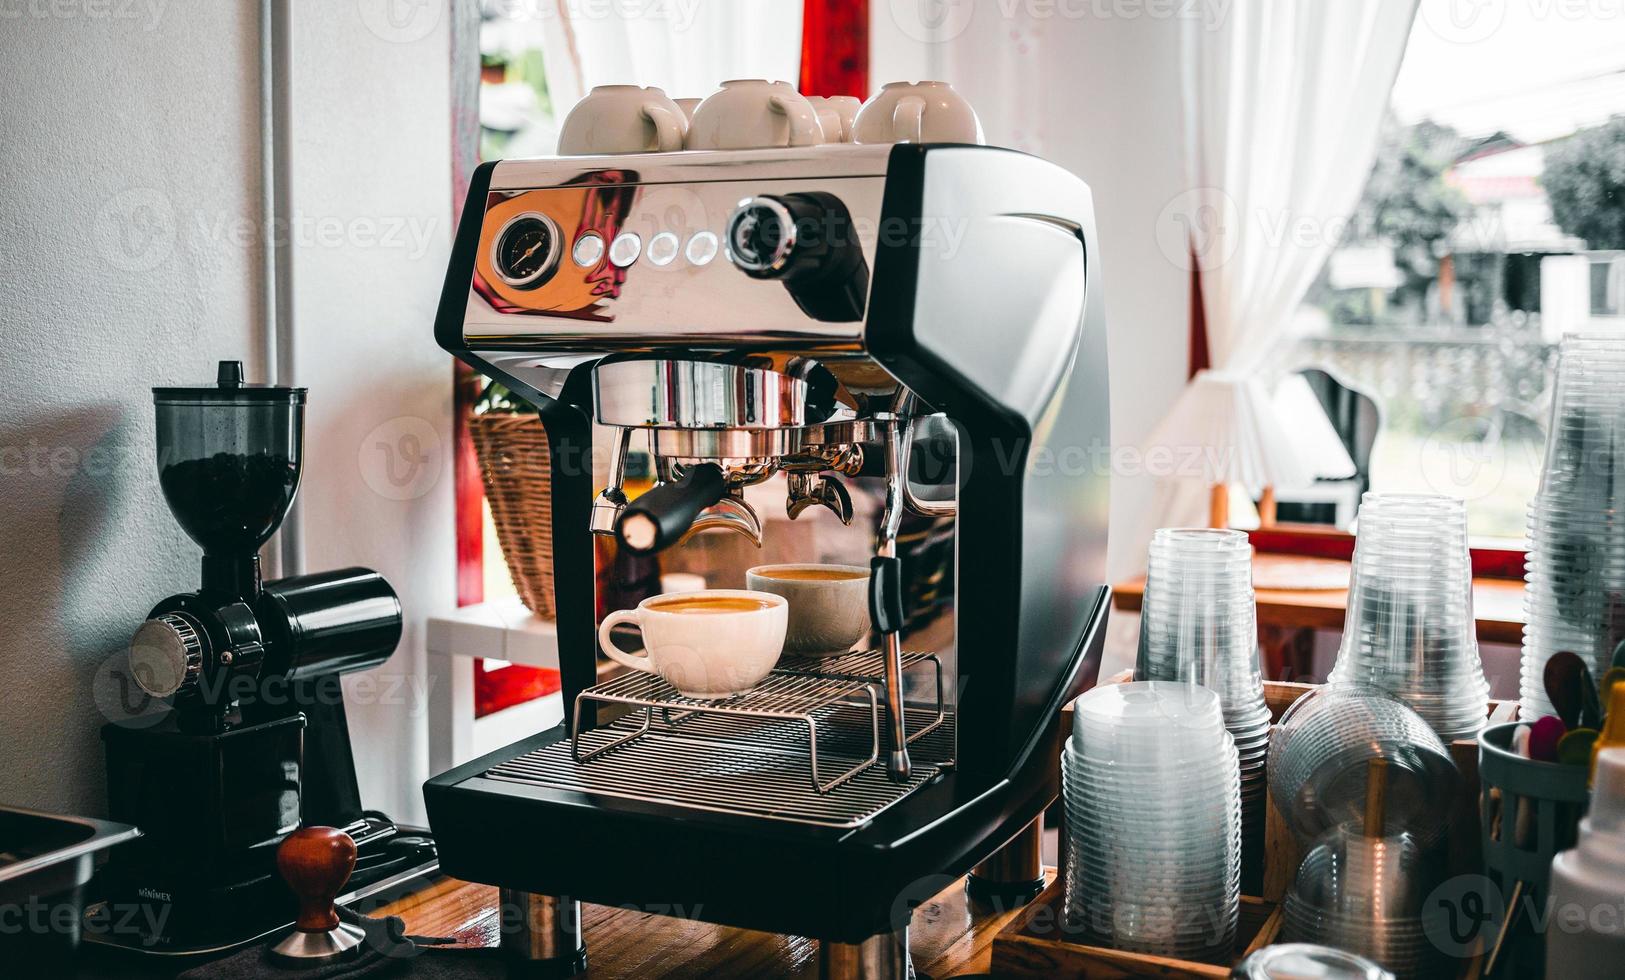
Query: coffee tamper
[(316, 862)]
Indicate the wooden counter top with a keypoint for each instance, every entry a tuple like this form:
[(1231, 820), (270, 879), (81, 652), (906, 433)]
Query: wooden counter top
[(949, 937), (1497, 603)]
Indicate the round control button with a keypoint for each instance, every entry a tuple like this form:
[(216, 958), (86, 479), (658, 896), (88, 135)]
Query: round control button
[(762, 236), (702, 248), (588, 250), (625, 249), (663, 248)]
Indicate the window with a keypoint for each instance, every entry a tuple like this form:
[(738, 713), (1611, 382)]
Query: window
[(1490, 226), (516, 119)]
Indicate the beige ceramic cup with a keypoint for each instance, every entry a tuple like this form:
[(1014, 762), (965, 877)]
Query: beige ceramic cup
[(754, 114), (917, 112), (623, 119), (714, 643), (836, 113), (688, 106), (829, 605)]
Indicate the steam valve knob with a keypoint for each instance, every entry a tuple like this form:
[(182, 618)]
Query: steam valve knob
[(316, 862), (166, 655), (809, 243)]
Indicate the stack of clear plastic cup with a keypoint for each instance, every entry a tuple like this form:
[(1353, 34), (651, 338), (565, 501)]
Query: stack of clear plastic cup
[(1366, 895), (1409, 628), (1574, 596), (1199, 624), (1323, 746), (1153, 821)]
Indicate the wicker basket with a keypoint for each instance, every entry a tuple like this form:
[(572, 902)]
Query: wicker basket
[(515, 465)]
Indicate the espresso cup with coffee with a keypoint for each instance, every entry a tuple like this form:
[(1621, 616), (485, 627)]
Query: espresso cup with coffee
[(829, 605), (710, 644)]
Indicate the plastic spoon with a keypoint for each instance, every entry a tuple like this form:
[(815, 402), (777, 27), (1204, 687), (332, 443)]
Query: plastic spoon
[(1565, 678), (1544, 736)]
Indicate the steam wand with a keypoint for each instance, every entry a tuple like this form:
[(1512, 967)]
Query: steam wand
[(886, 580)]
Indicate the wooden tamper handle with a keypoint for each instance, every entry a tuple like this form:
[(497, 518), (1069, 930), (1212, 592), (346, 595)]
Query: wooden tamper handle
[(316, 862)]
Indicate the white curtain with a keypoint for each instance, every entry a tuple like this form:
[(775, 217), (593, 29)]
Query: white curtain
[(685, 47), (1282, 103)]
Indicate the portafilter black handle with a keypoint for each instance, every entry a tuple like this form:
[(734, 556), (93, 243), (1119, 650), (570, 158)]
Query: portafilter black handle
[(661, 516)]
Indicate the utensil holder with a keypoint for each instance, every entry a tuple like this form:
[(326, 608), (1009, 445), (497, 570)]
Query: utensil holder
[(1557, 798)]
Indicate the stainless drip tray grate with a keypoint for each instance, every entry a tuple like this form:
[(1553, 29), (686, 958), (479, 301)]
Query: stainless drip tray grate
[(734, 765), (806, 705)]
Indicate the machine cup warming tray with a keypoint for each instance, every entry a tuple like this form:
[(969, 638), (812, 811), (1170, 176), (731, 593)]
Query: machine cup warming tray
[(803, 746)]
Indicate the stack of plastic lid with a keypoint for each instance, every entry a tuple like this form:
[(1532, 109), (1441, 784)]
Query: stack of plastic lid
[(1365, 895), (1575, 593), (1409, 627), (1153, 821), (1199, 624), (1306, 961), (1321, 751)]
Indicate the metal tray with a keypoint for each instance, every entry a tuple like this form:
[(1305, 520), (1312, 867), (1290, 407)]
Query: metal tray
[(46, 854)]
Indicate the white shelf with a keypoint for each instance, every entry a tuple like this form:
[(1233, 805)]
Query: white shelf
[(502, 629)]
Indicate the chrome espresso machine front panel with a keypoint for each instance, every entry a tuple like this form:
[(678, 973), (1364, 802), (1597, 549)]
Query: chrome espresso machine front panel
[(870, 355), (598, 255)]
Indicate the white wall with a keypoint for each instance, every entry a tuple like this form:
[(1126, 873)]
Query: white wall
[(1099, 95), (129, 229), (126, 145), (371, 168)]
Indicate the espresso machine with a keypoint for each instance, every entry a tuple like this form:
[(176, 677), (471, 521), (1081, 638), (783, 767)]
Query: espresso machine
[(898, 343), (232, 732)]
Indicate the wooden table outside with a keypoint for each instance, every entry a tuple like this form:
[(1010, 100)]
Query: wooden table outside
[(949, 936), (1497, 603)]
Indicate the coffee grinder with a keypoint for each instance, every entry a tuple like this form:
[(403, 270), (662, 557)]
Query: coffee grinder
[(242, 735)]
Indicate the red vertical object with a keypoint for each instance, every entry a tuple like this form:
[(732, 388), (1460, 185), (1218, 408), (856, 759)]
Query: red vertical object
[(835, 48), (1200, 360), (470, 492)]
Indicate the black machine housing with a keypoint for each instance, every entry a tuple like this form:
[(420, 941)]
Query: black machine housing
[(1002, 329)]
